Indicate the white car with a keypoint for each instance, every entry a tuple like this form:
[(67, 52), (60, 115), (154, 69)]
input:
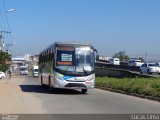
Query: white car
[(135, 63), (150, 68), (23, 70), (2, 75)]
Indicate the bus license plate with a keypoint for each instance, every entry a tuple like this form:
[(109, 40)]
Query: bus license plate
[(88, 82)]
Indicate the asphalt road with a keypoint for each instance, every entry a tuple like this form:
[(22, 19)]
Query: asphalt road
[(24, 94)]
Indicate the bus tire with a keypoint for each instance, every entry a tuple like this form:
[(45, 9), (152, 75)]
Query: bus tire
[(84, 91), (49, 84), (42, 81)]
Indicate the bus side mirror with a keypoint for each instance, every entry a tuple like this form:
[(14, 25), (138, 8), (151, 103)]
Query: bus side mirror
[(97, 57), (95, 50)]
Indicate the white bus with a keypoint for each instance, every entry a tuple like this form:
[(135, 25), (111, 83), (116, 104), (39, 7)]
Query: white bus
[(68, 65)]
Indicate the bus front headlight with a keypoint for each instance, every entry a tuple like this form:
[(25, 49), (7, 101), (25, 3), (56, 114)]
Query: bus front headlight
[(91, 78), (58, 77)]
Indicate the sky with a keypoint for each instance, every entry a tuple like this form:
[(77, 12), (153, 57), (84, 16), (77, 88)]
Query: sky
[(111, 26)]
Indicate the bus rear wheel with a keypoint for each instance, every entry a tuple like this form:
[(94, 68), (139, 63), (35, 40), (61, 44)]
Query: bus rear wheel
[(49, 84), (42, 81), (84, 91)]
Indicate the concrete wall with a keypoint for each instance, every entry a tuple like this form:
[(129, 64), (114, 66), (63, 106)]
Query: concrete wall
[(110, 72)]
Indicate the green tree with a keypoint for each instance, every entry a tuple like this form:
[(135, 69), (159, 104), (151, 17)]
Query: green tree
[(121, 55), (4, 57)]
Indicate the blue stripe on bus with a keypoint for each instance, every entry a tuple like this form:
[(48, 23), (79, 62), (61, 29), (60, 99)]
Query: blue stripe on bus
[(67, 77)]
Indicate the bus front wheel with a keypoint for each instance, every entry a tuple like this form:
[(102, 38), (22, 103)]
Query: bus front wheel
[(84, 91)]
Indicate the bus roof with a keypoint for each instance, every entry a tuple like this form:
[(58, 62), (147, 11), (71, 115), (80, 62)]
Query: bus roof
[(72, 44), (68, 44)]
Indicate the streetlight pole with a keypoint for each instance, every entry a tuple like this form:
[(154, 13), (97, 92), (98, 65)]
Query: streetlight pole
[(2, 43), (10, 10)]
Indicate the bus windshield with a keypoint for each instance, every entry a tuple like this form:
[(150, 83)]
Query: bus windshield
[(75, 59)]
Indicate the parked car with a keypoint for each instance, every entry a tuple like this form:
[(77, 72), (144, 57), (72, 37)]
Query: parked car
[(2, 75), (135, 63), (150, 68)]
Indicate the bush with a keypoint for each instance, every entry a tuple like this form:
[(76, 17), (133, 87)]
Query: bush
[(142, 86), (4, 57), (4, 67)]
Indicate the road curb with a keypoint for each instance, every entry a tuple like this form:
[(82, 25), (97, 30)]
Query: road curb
[(131, 94)]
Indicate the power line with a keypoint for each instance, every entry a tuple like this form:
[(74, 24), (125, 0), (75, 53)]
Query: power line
[(3, 26), (6, 15), (3, 23), (9, 28)]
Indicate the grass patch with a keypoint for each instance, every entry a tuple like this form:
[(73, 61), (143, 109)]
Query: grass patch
[(142, 86)]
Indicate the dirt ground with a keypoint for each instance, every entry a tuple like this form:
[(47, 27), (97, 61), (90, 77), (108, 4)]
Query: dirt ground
[(14, 100), (9, 86)]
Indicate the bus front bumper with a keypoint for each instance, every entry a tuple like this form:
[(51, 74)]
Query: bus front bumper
[(73, 85)]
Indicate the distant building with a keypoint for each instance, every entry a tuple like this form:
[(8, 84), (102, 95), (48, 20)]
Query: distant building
[(35, 60), (27, 57), (18, 61)]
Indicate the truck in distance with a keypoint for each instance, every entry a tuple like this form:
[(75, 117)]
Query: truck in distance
[(35, 71)]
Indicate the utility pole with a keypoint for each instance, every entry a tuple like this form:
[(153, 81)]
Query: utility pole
[(1, 42), (9, 45), (1, 36)]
